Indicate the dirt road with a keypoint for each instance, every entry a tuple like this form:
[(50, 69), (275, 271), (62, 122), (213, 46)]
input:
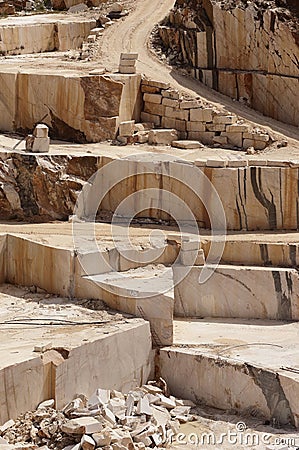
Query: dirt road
[(132, 35)]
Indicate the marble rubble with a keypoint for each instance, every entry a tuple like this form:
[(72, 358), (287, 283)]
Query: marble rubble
[(145, 417)]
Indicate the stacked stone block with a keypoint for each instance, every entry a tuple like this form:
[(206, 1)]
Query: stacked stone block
[(39, 141), (127, 63), (165, 108)]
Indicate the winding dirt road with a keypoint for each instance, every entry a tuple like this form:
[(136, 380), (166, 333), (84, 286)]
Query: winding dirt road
[(132, 35)]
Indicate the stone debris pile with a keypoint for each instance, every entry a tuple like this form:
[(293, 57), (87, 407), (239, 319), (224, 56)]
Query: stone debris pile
[(115, 12), (146, 417)]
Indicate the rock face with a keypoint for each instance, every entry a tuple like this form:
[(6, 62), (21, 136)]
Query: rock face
[(254, 293), (25, 35), (47, 187), (247, 51), (76, 108)]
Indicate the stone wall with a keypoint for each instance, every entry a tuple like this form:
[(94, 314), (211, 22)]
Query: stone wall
[(249, 53), (196, 121)]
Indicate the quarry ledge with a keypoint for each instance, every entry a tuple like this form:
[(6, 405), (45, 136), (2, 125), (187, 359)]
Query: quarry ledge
[(63, 341)]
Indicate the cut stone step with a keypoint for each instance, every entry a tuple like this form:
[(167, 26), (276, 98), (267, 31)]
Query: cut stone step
[(144, 292), (238, 291), (279, 249), (245, 366)]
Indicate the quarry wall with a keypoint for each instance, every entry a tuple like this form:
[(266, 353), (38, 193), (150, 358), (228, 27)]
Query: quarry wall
[(253, 197), (77, 108), (249, 53), (20, 36)]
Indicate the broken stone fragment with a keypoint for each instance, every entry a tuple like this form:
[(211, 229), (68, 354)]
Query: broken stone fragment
[(152, 398), (78, 8), (171, 93), (162, 137), (42, 348), (73, 447), (74, 405), (99, 397), (137, 394), (126, 128), (117, 394), (10, 423), (166, 402), (116, 8), (87, 442), (152, 389), (143, 407), (174, 426), (131, 421), (97, 31), (184, 402), (187, 145), (161, 416), (91, 38), (109, 416), (180, 410), (182, 419), (146, 440), (82, 425), (157, 439), (122, 140), (130, 404), (47, 404), (142, 137), (118, 446), (118, 407), (125, 438), (102, 439)]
